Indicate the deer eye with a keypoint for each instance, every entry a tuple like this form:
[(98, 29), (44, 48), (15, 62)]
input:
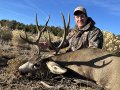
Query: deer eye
[(55, 67)]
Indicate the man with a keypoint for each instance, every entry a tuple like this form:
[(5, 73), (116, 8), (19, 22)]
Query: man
[(85, 34)]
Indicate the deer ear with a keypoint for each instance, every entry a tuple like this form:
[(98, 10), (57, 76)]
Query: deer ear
[(55, 68)]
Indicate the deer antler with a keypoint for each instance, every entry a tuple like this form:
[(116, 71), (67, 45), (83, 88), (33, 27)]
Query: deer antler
[(39, 34), (66, 28)]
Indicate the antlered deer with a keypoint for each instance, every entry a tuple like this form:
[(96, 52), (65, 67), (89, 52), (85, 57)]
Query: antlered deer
[(94, 64)]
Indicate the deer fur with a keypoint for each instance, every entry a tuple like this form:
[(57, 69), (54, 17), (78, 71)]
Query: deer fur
[(94, 64)]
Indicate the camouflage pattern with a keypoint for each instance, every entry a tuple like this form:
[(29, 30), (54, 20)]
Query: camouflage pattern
[(88, 36)]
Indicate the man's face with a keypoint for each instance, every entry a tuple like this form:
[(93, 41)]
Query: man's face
[(80, 20)]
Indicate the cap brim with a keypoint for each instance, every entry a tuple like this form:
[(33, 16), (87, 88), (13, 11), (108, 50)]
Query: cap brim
[(78, 12)]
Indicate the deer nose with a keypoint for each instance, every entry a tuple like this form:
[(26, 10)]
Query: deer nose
[(26, 68)]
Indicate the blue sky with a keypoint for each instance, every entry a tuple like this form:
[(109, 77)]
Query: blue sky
[(106, 13)]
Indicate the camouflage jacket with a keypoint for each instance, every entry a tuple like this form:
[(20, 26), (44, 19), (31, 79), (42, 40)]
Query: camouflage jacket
[(88, 36)]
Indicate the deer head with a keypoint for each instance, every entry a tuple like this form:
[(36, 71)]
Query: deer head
[(54, 67)]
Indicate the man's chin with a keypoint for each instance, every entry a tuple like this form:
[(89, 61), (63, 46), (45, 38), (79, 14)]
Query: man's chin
[(80, 26)]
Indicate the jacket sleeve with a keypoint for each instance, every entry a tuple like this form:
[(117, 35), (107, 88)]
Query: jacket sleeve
[(95, 39)]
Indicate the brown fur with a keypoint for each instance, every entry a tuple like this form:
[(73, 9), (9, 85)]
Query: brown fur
[(94, 64)]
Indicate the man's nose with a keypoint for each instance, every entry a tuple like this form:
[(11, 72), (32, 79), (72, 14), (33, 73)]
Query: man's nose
[(79, 18)]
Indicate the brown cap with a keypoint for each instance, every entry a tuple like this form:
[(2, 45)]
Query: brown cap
[(80, 9)]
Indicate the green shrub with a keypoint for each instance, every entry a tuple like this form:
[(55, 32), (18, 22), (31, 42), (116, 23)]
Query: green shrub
[(5, 35)]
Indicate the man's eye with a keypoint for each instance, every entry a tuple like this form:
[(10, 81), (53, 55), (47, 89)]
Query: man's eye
[(82, 15)]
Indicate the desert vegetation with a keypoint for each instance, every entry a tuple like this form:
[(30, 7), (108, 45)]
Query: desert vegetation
[(111, 43), (14, 52)]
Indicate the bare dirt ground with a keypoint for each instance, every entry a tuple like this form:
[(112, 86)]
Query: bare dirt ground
[(10, 79)]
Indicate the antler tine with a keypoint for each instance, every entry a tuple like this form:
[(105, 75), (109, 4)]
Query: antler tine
[(68, 24), (36, 42), (50, 43), (40, 31), (64, 35), (65, 30), (26, 38)]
